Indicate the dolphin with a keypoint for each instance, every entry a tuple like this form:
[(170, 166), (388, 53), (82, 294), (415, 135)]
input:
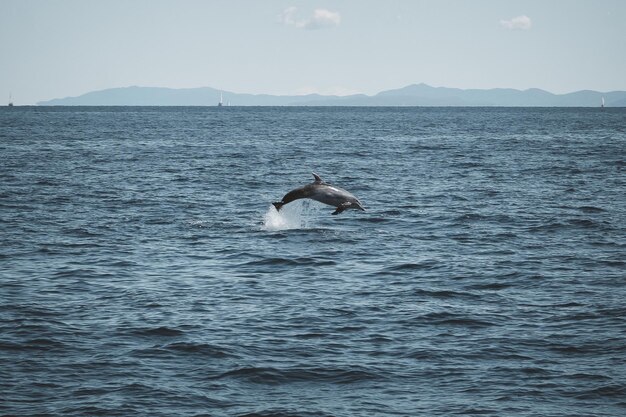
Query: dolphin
[(324, 193)]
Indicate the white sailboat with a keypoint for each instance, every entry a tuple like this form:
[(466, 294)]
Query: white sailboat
[(221, 103), (602, 102), (10, 101)]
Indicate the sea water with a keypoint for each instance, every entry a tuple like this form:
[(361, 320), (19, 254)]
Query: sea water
[(144, 271)]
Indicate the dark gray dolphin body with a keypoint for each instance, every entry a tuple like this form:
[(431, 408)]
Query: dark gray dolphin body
[(324, 193)]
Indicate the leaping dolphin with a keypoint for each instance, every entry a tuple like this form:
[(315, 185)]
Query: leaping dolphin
[(324, 193)]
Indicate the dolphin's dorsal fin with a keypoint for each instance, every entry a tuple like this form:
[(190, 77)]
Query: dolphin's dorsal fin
[(317, 178)]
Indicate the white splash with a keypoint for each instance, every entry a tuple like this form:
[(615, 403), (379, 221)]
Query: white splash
[(292, 216)]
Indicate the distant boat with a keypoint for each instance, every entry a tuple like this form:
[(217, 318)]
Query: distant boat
[(602, 106), (221, 103), (10, 102)]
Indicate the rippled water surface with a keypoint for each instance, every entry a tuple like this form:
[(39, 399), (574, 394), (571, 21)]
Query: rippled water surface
[(144, 272)]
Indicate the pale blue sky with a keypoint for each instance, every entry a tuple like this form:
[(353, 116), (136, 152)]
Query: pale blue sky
[(57, 48)]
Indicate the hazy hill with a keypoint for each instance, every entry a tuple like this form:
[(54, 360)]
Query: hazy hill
[(412, 95), (156, 96)]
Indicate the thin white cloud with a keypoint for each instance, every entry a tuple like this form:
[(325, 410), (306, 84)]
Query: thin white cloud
[(287, 17), (522, 22), (321, 18)]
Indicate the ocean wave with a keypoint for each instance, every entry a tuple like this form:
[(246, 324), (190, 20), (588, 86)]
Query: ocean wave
[(490, 286), (202, 349), (275, 376), (591, 209), (448, 319), (41, 344), (282, 412), (410, 266), (444, 294), (571, 224), (83, 273), (300, 261), (373, 219), (611, 391), (161, 331)]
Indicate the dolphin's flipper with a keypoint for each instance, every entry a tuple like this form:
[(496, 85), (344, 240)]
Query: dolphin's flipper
[(342, 207), (317, 178)]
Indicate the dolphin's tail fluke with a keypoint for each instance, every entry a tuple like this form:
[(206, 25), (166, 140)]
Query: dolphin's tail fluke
[(278, 205)]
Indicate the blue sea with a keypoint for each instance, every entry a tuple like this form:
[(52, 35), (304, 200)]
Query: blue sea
[(144, 271)]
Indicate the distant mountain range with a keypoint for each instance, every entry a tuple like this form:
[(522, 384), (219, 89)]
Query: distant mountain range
[(412, 95)]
